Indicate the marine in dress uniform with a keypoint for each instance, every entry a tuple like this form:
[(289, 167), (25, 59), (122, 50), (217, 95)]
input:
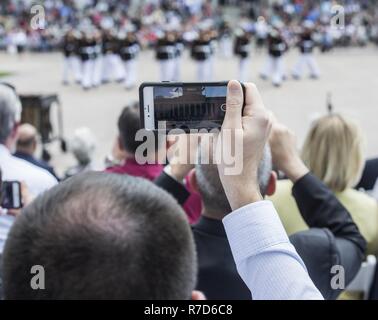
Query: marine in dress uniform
[(111, 61), (180, 47), (242, 50), (225, 40), (87, 50), (276, 49), (166, 54), (129, 49), (306, 45), (201, 52), (71, 63), (98, 60), (213, 34)]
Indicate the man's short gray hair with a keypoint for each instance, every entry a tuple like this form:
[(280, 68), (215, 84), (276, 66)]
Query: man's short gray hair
[(211, 189), (83, 145), (10, 111)]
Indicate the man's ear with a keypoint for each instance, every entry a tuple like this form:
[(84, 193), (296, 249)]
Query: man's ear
[(272, 184), (170, 142), (198, 295), (193, 180), (14, 133), (120, 144)]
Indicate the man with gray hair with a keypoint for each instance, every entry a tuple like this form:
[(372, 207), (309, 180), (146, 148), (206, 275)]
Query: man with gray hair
[(217, 274), (36, 180)]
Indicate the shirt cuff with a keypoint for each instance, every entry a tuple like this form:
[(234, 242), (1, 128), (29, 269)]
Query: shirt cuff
[(254, 228)]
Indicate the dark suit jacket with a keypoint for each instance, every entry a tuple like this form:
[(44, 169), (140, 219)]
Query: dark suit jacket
[(39, 163), (333, 239), (369, 175)]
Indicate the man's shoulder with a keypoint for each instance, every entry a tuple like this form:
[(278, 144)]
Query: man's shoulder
[(31, 169)]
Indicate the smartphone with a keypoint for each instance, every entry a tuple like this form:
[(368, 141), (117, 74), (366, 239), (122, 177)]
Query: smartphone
[(185, 106), (11, 195)]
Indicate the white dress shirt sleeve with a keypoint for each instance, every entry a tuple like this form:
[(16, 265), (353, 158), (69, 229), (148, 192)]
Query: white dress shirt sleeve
[(266, 260)]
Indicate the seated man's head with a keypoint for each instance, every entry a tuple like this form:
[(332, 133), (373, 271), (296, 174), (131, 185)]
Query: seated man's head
[(83, 145), (27, 139), (206, 181), (101, 236), (333, 151), (128, 127), (10, 115)]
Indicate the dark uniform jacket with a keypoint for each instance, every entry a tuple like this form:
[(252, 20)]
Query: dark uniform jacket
[(165, 49), (201, 50)]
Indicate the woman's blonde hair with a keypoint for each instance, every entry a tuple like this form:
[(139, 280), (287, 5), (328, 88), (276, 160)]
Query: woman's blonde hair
[(333, 151)]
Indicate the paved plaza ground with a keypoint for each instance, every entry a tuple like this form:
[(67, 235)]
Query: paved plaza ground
[(351, 75)]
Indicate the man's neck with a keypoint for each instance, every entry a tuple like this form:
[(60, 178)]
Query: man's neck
[(24, 151), (212, 216)]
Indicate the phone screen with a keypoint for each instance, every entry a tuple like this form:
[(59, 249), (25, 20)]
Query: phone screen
[(11, 195), (186, 106)]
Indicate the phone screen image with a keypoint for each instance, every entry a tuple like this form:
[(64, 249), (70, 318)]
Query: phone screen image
[(186, 107), (11, 195)]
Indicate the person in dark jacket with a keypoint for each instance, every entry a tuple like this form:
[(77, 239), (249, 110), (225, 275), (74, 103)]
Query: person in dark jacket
[(369, 175)]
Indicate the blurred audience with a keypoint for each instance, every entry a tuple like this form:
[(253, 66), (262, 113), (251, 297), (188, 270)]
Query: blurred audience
[(333, 152)]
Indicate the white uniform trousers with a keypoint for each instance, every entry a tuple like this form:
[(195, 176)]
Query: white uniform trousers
[(306, 60), (177, 69), (112, 68), (88, 73), (71, 67), (167, 68), (204, 70), (274, 69), (244, 72), (130, 73), (97, 71)]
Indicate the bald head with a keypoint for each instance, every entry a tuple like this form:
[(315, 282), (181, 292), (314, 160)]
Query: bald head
[(27, 139)]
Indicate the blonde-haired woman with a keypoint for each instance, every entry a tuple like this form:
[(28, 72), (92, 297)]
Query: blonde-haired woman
[(333, 151)]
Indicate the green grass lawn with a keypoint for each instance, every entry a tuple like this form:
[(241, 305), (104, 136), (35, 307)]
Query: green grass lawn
[(4, 74)]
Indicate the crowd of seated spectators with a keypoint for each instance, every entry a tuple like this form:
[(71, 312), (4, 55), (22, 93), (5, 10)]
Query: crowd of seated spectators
[(189, 230)]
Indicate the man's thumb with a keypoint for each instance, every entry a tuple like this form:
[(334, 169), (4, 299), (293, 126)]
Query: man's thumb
[(234, 105)]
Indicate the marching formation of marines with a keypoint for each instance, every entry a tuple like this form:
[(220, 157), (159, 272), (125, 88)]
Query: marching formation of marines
[(94, 57)]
